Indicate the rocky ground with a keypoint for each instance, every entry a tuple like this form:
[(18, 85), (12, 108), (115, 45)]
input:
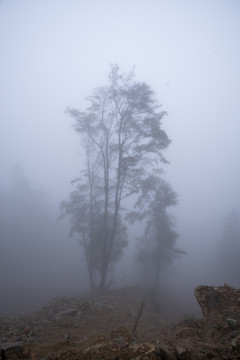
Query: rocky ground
[(113, 327)]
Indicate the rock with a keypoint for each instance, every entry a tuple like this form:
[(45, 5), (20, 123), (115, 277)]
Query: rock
[(183, 354), (208, 299), (163, 353), (232, 323), (229, 336), (122, 334), (12, 351), (235, 343), (215, 301), (71, 312), (146, 351), (185, 332), (13, 345)]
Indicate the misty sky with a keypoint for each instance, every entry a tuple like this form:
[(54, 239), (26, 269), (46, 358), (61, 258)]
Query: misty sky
[(54, 52)]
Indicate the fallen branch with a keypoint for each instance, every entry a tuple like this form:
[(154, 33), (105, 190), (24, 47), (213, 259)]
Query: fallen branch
[(138, 317)]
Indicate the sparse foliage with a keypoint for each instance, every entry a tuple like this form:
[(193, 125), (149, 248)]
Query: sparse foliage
[(123, 141)]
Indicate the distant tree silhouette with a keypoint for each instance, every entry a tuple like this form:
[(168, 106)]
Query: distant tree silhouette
[(157, 247), (228, 265)]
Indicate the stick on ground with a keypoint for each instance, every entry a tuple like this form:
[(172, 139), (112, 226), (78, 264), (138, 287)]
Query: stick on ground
[(138, 317)]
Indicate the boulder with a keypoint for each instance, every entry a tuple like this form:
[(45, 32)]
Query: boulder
[(219, 302), (12, 351)]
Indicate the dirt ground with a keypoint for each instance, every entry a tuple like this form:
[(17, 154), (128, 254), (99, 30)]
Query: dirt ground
[(112, 326)]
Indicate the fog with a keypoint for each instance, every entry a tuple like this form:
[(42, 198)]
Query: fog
[(53, 53)]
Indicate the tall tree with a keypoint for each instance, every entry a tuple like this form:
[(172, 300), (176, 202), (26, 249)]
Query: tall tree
[(157, 248), (123, 142)]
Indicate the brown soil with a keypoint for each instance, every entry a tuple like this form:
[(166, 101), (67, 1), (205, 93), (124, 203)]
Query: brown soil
[(102, 327)]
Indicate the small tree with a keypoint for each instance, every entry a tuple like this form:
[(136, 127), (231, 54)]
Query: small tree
[(122, 140), (157, 246)]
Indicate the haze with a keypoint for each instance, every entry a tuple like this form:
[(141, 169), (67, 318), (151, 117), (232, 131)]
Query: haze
[(53, 53)]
